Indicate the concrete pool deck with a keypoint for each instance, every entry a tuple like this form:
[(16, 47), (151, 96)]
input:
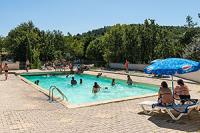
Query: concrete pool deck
[(25, 109)]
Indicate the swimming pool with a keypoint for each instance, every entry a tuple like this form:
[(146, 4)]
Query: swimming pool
[(82, 93)]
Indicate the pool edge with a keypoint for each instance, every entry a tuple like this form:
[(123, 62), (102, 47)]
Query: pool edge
[(68, 105), (40, 89)]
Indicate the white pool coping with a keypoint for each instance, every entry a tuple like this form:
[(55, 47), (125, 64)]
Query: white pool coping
[(69, 105)]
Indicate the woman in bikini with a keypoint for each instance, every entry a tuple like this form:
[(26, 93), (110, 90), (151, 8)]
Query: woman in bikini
[(165, 95)]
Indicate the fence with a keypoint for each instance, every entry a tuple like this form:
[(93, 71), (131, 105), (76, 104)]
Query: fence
[(194, 76), (138, 67)]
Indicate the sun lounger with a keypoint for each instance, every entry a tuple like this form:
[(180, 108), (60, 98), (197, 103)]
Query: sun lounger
[(181, 109)]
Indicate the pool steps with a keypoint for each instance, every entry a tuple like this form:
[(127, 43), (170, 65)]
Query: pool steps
[(51, 93)]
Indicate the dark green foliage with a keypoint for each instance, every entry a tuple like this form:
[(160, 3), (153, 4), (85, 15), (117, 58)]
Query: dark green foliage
[(21, 40), (190, 23), (1, 48), (192, 51), (139, 43), (95, 50)]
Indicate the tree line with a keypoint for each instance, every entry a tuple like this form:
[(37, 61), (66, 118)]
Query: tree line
[(139, 43)]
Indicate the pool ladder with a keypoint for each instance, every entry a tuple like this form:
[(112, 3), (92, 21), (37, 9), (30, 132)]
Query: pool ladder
[(51, 93)]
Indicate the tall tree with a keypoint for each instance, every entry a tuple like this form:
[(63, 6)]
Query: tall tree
[(95, 50), (19, 39), (112, 41), (192, 51), (190, 23), (1, 48)]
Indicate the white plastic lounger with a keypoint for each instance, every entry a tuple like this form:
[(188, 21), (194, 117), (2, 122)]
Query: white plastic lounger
[(168, 109)]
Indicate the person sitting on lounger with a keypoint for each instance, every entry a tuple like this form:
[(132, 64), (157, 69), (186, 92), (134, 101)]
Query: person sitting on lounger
[(181, 91), (165, 95)]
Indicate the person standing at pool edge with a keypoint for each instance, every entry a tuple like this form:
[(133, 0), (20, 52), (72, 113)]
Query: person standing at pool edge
[(27, 65), (126, 66), (6, 71)]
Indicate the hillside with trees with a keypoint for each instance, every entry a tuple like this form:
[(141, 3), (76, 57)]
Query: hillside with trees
[(139, 43)]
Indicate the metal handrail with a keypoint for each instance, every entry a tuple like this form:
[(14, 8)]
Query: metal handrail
[(63, 95), (53, 86), (51, 92)]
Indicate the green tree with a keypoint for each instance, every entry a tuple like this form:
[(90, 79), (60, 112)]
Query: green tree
[(74, 47), (46, 46), (95, 50), (192, 51), (113, 43), (77, 48), (36, 63), (130, 44), (190, 23), (165, 47), (148, 40), (139, 43), (19, 39), (1, 48)]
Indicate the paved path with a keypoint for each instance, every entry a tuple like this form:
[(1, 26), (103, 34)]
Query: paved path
[(25, 109)]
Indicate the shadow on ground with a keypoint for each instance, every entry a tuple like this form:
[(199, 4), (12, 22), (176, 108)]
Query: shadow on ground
[(187, 124)]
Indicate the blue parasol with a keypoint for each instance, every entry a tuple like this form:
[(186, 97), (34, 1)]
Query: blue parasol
[(172, 66)]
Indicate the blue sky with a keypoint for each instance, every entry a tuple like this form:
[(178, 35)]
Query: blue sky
[(78, 16)]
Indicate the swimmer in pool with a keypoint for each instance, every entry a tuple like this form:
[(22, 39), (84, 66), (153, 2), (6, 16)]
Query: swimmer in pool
[(96, 88), (113, 82), (73, 81)]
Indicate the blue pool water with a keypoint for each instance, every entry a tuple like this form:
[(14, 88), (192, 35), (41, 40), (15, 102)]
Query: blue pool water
[(82, 93)]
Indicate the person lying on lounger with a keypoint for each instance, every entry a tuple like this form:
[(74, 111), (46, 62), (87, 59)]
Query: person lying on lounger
[(165, 97)]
